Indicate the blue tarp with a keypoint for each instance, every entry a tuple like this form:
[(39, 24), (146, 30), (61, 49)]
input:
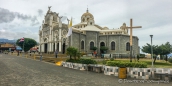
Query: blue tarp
[(18, 48), (169, 55)]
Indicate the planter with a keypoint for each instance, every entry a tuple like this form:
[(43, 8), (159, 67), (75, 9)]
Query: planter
[(122, 74), (79, 66), (109, 70), (166, 73), (140, 73)]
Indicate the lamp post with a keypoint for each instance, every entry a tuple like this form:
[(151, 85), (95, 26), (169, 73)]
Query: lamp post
[(151, 49)]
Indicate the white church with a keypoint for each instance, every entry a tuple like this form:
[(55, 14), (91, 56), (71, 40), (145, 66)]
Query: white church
[(85, 35)]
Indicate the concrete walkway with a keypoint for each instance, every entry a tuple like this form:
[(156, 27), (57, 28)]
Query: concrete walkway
[(19, 71)]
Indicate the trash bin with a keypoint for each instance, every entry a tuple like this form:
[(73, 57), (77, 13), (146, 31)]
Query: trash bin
[(122, 73)]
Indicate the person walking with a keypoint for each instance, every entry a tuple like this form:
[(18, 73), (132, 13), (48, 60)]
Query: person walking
[(56, 52)]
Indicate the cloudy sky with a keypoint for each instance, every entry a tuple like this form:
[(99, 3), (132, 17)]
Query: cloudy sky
[(22, 18)]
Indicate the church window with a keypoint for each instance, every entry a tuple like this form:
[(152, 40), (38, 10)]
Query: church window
[(90, 23), (91, 45), (83, 19), (112, 45), (127, 46), (82, 44), (87, 19)]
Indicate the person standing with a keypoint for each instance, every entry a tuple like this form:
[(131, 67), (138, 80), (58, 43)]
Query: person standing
[(18, 53), (56, 52), (95, 54)]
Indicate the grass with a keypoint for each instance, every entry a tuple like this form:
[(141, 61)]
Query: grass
[(158, 63)]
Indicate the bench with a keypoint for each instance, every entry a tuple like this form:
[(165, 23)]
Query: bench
[(163, 76)]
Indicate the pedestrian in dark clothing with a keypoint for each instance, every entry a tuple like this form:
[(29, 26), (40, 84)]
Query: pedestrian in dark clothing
[(56, 52), (18, 53)]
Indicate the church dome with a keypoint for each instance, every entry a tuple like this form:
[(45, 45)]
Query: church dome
[(87, 14), (105, 28)]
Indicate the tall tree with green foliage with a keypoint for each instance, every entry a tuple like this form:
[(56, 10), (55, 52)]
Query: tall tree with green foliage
[(28, 43), (147, 49), (163, 49), (166, 49)]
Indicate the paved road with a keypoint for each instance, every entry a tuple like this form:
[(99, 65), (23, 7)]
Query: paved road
[(20, 71)]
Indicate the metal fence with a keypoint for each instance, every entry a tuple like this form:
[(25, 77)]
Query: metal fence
[(121, 55)]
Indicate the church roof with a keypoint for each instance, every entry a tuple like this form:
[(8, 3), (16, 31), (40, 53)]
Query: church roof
[(111, 30), (90, 28), (82, 23)]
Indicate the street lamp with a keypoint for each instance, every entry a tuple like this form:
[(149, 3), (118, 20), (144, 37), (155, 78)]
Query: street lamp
[(151, 49)]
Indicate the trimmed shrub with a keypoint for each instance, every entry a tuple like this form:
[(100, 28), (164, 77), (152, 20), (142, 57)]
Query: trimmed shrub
[(104, 61), (73, 60), (126, 64), (83, 61), (87, 61)]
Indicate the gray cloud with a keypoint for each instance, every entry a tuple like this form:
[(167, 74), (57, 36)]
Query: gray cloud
[(40, 12), (34, 21), (6, 16)]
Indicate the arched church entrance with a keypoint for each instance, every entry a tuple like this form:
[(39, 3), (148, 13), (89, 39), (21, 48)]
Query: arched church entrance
[(63, 48), (101, 45), (58, 46), (54, 47), (45, 48)]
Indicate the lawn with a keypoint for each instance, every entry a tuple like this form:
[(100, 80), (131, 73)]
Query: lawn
[(158, 63)]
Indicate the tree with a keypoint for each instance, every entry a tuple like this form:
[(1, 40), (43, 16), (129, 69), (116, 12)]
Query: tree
[(156, 50), (166, 49), (103, 49), (73, 52), (94, 48), (163, 49), (28, 43)]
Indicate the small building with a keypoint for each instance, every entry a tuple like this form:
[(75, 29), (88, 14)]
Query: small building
[(7, 46)]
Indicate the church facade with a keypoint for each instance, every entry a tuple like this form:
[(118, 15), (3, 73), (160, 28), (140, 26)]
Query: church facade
[(85, 35)]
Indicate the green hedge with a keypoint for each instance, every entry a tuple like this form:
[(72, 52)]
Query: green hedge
[(83, 61), (126, 64)]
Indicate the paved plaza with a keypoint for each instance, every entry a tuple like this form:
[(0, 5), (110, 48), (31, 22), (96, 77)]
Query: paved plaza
[(21, 71)]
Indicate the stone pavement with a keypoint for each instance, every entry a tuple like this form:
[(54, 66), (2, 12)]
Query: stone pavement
[(20, 71)]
